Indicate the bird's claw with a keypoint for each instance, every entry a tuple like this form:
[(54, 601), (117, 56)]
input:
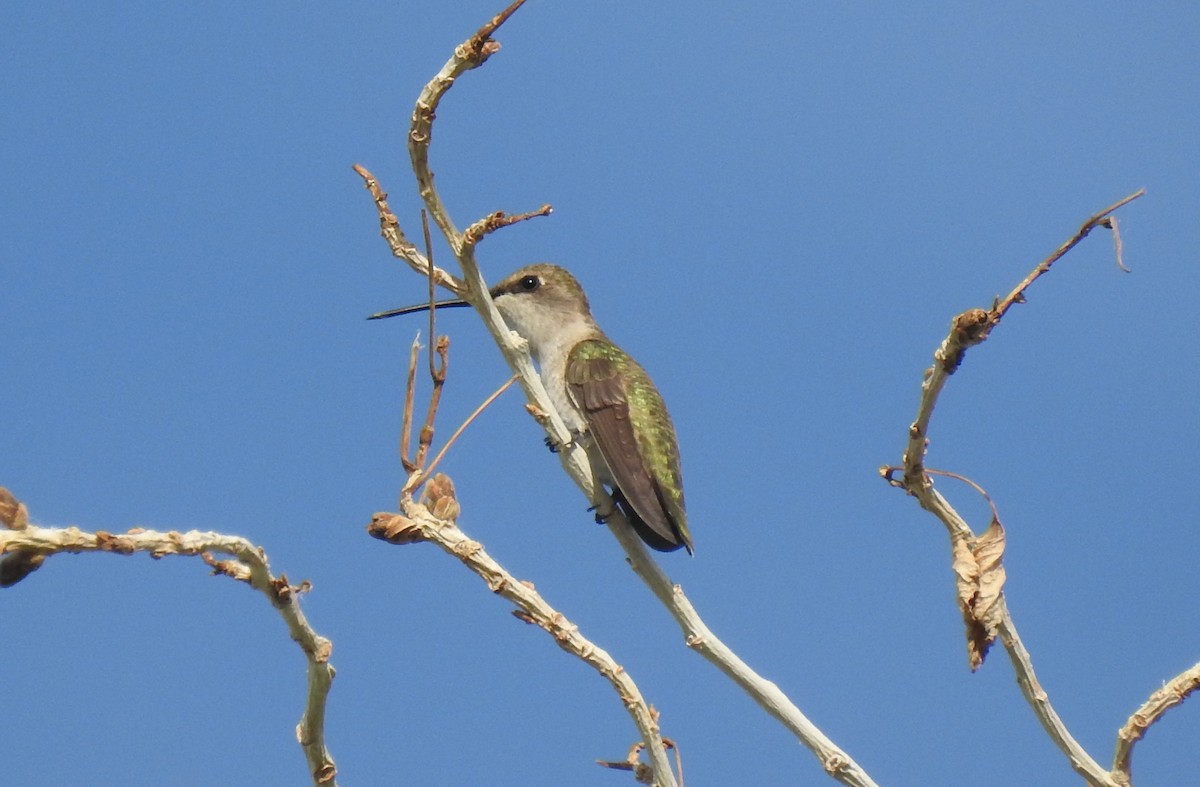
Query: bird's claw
[(557, 447), (602, 517)]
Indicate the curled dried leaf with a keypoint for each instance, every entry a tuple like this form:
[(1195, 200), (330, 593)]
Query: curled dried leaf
[(395, 529), (13, 514), (980, 576), (440, 499), (446, 509)]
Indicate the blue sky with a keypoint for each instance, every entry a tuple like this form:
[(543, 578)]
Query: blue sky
[(777, 209)]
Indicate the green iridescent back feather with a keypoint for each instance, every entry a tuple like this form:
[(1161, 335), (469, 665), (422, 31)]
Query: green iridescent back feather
[(602, 370)]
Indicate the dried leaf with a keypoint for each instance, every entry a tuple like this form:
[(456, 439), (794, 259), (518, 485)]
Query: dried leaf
[(989, 553), (395, 529), (980, 578), (13, 514), (440, 499)]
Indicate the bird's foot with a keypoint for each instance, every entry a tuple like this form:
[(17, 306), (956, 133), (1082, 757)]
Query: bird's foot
[(603, 512), (556, 447)]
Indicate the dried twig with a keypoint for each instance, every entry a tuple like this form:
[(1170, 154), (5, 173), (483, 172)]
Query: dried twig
[(247, 563), (499, 220), (967, 330), (1173, 693), (402, 248), (419, 478), (406, 420), (432, 294), (438, 374)]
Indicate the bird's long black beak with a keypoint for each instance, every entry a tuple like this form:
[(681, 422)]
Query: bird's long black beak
[(418, 307)]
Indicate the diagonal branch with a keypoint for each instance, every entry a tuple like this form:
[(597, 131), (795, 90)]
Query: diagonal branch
[(1173, 693), (247, 563), (967, 330), (419, 523), (1101, 219), (700, 638), (402, 248)]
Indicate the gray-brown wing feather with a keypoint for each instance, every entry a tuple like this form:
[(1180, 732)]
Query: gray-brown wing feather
[(597, 388)]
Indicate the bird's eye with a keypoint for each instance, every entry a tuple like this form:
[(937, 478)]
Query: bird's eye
[(529, 283)]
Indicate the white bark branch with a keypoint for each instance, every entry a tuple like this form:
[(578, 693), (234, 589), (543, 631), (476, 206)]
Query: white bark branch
[(966, 331), (700, 638), (1172, 693), (248, 564), (418, 523)]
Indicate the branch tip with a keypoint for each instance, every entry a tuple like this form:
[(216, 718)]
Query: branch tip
[(494, 221), (479, 41)]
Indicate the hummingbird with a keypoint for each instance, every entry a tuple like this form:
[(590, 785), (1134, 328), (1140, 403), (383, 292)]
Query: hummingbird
[(603, 395)]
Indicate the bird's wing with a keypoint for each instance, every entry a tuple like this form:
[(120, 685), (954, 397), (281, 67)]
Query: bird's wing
[(596, 384)]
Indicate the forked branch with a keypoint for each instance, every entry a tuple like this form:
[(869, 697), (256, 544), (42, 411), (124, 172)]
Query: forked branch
[(968, 330), (468, 55)]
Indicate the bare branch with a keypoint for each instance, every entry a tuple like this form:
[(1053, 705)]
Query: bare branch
[(470, 54), (406, 416), (1039, 700), (419, 478), (1097, 220), (419, 523), (700, 638), (248, 564), (402, 248), (499, 220), (442, 506), (983, 602), (1173, 693)]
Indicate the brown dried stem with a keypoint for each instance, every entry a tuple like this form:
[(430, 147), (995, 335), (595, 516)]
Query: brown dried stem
[(425, 438), (432, 295), (402, 248), (967, 330), (419, 478), (499, 220), (406, 416), (1097, 220), (247, 563)]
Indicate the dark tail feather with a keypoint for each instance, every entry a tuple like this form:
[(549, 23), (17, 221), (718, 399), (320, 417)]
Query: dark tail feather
[(653, 539)]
